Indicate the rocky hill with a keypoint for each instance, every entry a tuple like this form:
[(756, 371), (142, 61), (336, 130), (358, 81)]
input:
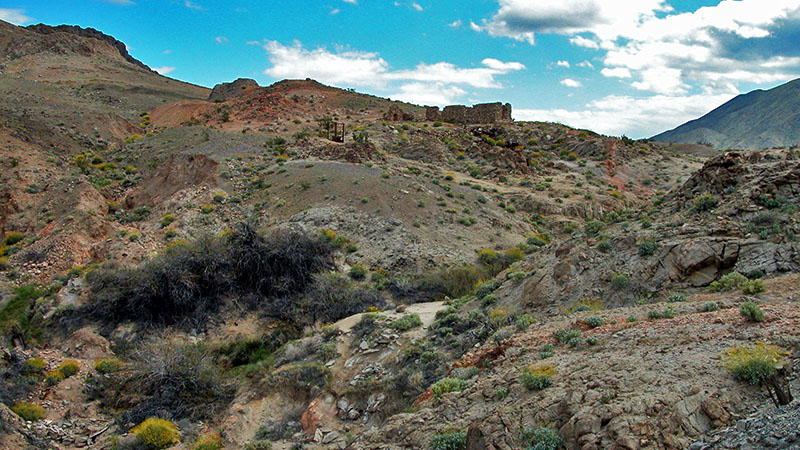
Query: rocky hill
[(756, 120), (217, 262)]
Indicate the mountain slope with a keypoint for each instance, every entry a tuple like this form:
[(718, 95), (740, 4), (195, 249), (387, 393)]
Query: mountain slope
[(756, 120)]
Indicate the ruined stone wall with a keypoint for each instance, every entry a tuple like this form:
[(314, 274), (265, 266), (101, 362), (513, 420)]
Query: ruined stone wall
[(481, 113)]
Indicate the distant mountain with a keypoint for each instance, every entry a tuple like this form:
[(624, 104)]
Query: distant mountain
[(756, 120)]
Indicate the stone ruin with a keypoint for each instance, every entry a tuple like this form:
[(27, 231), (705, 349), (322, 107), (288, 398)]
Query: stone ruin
[(396, 114), (224, 91), (480, 113)]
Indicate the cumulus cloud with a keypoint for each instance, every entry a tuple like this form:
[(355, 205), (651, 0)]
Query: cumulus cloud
[(416, 6), (586, 64), (192, 5), (569, 82), (636, 117), (164, 70), (563, 64), (438, 83), (221, 40), (455, 23), (335, 11), (617, 72), (354, 2), (15, 16), (663, 51)]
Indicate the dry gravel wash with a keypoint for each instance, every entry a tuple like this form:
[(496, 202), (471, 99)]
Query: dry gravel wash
[(645, 385)]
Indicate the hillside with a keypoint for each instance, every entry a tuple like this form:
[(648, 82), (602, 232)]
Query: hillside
[(756, 120), (216, 261)]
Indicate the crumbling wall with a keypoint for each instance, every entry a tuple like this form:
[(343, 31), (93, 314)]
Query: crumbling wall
[(480, 113), (224, 91)]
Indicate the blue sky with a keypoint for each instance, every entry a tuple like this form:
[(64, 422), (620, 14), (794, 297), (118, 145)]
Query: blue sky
[(634, 67)]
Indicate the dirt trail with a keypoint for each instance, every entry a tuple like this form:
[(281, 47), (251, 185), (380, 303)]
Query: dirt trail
[(426, 311)]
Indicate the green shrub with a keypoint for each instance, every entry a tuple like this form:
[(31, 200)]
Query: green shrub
[(537, 378), (705, 202), (208, 441), (728, 282), (258, 445), (524, 321), (139, 214), (647, 248), (593, 227), (620, 281), (487, 287), (54, 377), (167, 219), (676, 298), (157, 433), (547, 351), (407, 322), (710, 307), (604, 246), (447, 385), (667, 313), (752, 287), (753, 363), (488, 300), (540, 439), (34, 366), (565, 334), (13, 237), (28, 411), (751, 312), (106, 366), (69, 367), (594, 321), (449, 441), (358, 272)]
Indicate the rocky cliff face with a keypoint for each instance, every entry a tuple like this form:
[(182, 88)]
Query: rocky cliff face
[(224, 91)]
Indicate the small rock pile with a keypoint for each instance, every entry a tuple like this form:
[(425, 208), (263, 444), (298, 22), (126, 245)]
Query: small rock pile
[(774, 427)]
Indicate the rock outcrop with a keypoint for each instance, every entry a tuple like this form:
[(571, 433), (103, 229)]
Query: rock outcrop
[(224, 91)]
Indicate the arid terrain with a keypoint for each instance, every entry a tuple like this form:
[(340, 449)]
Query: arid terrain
[(221, 262)]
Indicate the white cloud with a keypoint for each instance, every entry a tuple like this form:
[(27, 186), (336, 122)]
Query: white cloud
[(437, 83), (663, 51), (252, 43), (581, 41), (120, 2), (474, 26), (221, 40), (617, 72), (335, 11), (416, 6), (164, 70), (191, 5), (455, 24), (586, 64), (569, 82), (438, 94), (563, 64), (14, 16), (636, 117), (166, 52), (354, 2)]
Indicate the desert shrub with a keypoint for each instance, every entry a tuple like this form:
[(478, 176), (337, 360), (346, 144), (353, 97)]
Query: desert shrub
[(488, 300), (604, 246), (753, 363), (167, 219), (282, 263), (595, 321), (302, 379), (54, 377), (540, 439), (593, 227), (69, 367), (495, 261), (16, 318), (728, 282), (106, 366), (34, 366), (704, 202), (258, 445), (208, 441), (487, 287), (620, 281), (157, 433), (366, 325), (710, 307), (676, 298), (447, 385), (449, 441), (407, 322), (13, 237), (752, 287), (454, 282), (537, 378), (358, 272), (28, 411), (331, 297), (667, 313), (752, 312), (565, 334), (464, 373), (547, 351), (647, 248), (167, 380), (524, 321), (138, 214)]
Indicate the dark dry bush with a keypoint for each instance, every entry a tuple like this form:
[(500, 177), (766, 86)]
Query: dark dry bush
[(165, 380), (332, 297)]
